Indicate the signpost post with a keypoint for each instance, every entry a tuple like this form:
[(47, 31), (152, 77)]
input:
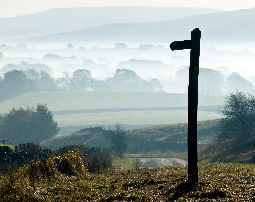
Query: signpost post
[(194, 46)]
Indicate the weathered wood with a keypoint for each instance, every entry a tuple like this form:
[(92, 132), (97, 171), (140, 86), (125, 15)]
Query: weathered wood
[(194, 45)]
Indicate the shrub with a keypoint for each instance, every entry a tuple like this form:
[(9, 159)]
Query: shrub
[(6, 159), (71, 163), (97, 159), (22, 154)]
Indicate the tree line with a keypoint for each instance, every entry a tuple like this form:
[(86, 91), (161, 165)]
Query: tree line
[(17, 82), (35, 125)]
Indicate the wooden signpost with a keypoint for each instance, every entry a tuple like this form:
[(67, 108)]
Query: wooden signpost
[(194, 46)]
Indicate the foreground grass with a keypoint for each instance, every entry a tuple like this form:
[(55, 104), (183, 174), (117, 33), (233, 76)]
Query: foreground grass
[(217, 183)]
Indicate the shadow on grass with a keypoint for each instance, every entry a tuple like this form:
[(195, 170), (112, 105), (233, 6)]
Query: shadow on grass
[(180, 190), (186, 188)]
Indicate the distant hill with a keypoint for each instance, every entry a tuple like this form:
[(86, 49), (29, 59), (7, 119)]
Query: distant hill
[(72, 19), (228, 26)]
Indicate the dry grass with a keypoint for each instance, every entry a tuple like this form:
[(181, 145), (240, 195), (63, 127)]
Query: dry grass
[(219, 182)]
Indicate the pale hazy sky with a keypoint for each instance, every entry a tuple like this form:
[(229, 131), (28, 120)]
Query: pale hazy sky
[(21, 7)]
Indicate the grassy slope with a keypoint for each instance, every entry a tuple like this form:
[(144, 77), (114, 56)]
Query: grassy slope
[(161, 139), (217, 183), (241, 151)]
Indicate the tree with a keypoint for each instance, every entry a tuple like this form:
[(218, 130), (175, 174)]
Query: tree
[(238, 126), (235, 142), (28, 125), (239, 115), (82, 79), (29, 152), (118, 141), (17, 82), (41, 80), (14, 83)]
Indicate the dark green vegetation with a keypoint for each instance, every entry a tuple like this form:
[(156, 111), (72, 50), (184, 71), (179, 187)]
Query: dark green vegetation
[(236, 139), (97, 160), (14, 157), (28, 125)]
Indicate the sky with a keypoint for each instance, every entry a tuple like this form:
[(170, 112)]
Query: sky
[(10, 8)]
